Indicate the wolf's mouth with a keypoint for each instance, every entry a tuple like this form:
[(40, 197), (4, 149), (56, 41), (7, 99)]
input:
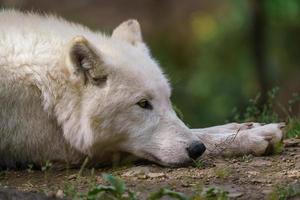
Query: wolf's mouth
[(153, 158)]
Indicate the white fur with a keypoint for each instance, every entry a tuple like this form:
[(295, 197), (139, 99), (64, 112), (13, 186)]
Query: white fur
[(62, 115), (35, 50), (237, 139)]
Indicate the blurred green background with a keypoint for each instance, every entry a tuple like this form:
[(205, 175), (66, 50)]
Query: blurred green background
[(217, 54)]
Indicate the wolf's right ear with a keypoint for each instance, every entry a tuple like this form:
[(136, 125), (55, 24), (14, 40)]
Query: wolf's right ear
[(129, 31), (86, 61)]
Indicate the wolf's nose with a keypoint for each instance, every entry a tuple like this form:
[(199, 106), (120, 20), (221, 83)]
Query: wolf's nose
[(196, 149)]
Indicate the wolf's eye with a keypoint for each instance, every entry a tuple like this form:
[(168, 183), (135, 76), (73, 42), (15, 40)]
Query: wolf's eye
[(98, 80), (145, 104)]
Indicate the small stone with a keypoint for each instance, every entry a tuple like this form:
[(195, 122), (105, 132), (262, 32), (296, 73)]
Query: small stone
[(262, 163), (136, 171), (253, 173), (72, 177), (185, 185), (297, 165), (293, 174), (235, 194), (266, 191), (60, 194), (142, 176), (51, 194), (155, 175), (291, 142), (259, 180)]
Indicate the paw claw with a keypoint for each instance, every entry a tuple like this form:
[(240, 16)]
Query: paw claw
[(245, 126), (268, 138), (281, 125), (249, 124), (263, 137)]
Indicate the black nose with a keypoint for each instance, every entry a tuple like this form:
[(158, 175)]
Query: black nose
[(196, 149)]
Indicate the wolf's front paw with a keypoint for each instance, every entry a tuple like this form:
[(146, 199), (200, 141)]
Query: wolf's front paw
[(244, 126), (262, 139)]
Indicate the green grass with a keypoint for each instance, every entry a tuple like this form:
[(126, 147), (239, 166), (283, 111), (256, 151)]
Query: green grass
[(215, 194), (284, 193), (268, 113), (46, 167), (222, 172), (278, 148), (199, 164), (293, 128), (116, 190), (271, 112), (166, 192)]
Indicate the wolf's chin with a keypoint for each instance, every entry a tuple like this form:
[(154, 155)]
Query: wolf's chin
[(151, 157)]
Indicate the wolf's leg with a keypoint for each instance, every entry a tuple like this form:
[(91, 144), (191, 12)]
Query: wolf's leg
[(256, 140), (228, 127)]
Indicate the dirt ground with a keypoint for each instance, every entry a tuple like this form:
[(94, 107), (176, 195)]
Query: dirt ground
[(244, 177)]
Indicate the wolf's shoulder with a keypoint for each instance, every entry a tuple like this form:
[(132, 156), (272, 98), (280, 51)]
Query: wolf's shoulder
[(29, 22)]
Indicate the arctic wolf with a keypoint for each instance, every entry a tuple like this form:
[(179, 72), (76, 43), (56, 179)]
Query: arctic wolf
[(67, 93)]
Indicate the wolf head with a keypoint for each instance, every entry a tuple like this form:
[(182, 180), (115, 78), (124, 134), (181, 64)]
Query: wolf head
[(125, 100)]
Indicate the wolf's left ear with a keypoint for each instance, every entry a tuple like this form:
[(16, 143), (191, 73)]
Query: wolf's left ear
[(86, 61), (129, 31)]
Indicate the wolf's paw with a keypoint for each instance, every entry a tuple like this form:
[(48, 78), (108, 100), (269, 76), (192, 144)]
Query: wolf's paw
[(243, 126), (261, 140)]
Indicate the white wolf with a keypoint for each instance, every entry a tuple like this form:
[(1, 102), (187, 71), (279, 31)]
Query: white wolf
[(67, 93)]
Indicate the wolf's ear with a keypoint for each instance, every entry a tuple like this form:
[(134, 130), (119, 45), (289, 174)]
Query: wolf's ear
[(86, 61), (129, 31)]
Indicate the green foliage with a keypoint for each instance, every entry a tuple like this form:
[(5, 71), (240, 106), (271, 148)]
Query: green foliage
[(260, 113), (47, 166), (222, 172), (71, 192), (284, 193), (269, 112), (244, 158), (116, 190), (216, 194), (29, 167), (284, 11), (213, 68), (278, 148), (292, 102), (293, 129), (166, 192), (82, 167), (199, 164)]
